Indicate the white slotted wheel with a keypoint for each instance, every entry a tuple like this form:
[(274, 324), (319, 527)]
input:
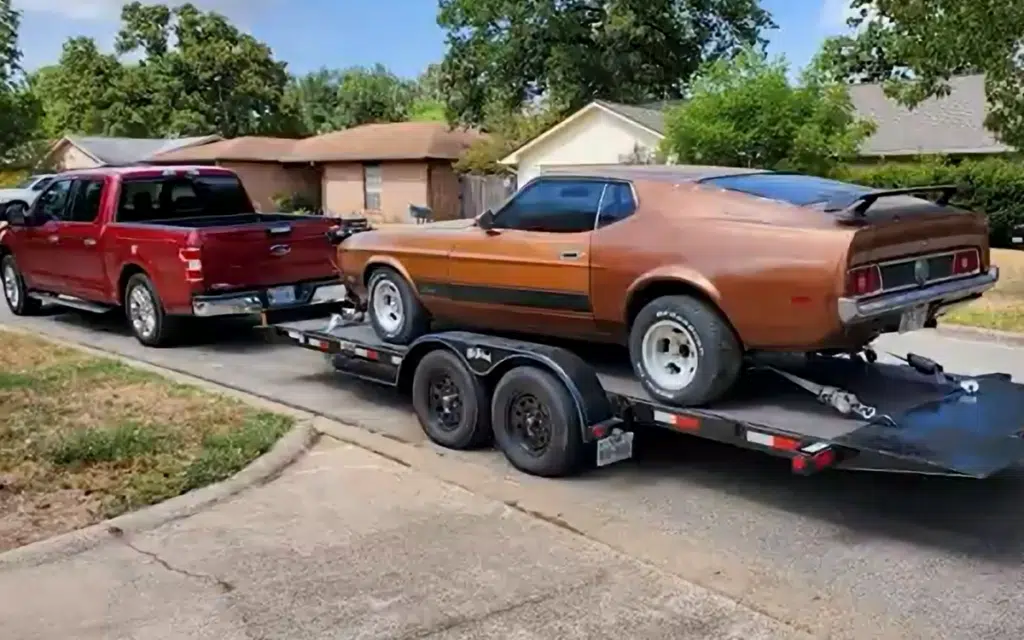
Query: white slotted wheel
[(670, 355), (387, 306)]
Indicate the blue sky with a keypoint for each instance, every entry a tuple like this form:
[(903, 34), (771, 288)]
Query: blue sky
[(401, 34)]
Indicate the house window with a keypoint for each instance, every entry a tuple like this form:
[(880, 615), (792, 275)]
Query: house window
[(371, 186)]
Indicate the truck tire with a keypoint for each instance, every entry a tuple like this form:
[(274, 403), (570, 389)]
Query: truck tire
[(683, 351), (15, 291), (450, 402), (396, 314), (145, 313), (536, 423)]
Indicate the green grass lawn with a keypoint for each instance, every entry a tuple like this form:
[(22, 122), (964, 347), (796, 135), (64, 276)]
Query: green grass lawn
[(84, 438), (1003, 307)]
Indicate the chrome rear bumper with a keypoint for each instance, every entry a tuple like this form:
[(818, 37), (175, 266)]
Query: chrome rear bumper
[(256, 301), (853, 310)]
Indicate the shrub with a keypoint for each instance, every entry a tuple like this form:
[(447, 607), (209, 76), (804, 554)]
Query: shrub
[(293, 203), (993, 186)]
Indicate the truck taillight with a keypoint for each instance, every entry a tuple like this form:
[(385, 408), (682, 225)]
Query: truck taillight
[(966, 261), (863, 281), (192, 257)]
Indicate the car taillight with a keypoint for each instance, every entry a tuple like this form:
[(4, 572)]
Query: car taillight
[(863, 281), (966, 261), (192, 257)]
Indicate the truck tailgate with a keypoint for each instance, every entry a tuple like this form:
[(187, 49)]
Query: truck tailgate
[(266, 254)]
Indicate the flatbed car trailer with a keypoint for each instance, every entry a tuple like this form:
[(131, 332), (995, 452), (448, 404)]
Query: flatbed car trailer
[(550, 411)]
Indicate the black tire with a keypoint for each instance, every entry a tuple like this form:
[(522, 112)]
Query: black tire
[(719, 356), (467, 424), (414, 321), (165, 329), (526, 389), (19, 303)]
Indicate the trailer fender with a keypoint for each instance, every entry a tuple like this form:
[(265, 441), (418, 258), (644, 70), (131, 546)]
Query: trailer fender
[(489, 357)]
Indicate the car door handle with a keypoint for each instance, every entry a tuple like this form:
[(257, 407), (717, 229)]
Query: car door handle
[(89, 242), (52, 239), (570, 255)]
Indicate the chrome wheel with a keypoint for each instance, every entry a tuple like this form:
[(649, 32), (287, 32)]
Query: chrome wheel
[(669, 355), (142, 311), (387, 306), (11, 289)]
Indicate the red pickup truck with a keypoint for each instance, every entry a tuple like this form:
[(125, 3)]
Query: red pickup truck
[(164, 243)]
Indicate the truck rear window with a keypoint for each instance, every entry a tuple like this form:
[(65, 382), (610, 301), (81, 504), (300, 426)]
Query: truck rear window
[(785, 187), (177, 197)]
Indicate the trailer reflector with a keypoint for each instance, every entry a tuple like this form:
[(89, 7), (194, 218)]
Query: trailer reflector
[(369, 354), (774, 442), (685, 423)]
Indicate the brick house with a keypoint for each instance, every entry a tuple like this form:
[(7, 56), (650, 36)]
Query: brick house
[(380, 169)]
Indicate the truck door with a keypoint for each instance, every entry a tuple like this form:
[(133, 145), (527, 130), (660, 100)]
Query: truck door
[(38, 250), (81, 265)]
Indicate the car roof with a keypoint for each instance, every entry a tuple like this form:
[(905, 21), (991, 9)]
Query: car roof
[(650, 172)]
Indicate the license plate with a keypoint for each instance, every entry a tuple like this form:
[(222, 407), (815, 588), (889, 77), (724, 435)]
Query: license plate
[(278, 296), (914, 319), (615, 448), (1017, 240)]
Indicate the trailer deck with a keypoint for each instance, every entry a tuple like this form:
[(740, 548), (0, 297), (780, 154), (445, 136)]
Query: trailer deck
[(924, 424)]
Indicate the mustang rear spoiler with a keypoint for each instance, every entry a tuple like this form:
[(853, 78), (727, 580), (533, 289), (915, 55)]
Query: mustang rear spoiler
[(855, 207)]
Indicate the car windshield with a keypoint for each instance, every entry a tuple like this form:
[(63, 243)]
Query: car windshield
[(785, 187), (33, 182)]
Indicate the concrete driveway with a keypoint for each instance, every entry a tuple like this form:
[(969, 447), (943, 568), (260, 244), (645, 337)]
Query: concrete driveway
[(347, 544), (941, 556)]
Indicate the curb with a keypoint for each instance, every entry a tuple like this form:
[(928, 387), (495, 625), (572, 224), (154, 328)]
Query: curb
[(260, 471), (1008, 338)]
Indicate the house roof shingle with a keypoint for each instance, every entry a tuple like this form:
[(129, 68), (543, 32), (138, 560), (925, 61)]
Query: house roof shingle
[(392, 141), (951, 124), (651, 116), (244, 149), (118, 151)]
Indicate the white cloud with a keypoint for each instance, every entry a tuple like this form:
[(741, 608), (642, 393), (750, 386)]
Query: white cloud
[(834, 14), (110, 10)]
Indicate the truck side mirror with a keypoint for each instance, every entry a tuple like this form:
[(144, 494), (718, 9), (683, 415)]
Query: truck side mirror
[(15, 214)]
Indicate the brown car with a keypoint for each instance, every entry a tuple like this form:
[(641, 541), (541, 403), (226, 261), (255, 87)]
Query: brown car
[(691, 267)]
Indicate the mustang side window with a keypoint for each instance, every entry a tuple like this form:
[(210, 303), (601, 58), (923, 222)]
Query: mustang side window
[(553, 206), (617, 204)]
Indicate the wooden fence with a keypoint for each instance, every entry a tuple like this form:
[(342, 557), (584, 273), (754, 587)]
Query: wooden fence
[(478, 193)]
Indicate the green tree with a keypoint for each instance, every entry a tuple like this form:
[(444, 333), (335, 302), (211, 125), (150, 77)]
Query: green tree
[(506, 132), (510, 52), (19, 111), (916, 46), (428, 101), (367, 95), (314, 97), (746, 113), (215, 79)]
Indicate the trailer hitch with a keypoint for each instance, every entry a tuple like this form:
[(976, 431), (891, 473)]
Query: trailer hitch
[(842, 401)]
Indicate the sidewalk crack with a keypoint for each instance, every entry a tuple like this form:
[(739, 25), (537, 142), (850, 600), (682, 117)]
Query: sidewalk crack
[(223, 585)]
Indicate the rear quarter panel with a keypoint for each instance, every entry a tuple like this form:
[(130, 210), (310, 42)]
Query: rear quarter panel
[(154, 250), (774, 273)]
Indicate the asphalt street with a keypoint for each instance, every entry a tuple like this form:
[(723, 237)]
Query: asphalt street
[(940, 555)]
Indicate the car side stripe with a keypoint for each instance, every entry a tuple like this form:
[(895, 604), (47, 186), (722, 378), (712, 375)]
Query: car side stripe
[(534, 298)]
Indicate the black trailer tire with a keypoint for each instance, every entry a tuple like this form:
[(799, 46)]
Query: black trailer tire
[(15, 291), (713, 353), (145, 313), (408, 318), (532, 399), (462, 422)]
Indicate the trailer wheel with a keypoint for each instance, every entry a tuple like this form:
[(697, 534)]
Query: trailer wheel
[(450, 402), (536, 424)]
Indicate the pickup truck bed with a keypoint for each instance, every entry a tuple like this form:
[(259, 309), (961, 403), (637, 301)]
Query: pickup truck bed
[(923, 425)]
